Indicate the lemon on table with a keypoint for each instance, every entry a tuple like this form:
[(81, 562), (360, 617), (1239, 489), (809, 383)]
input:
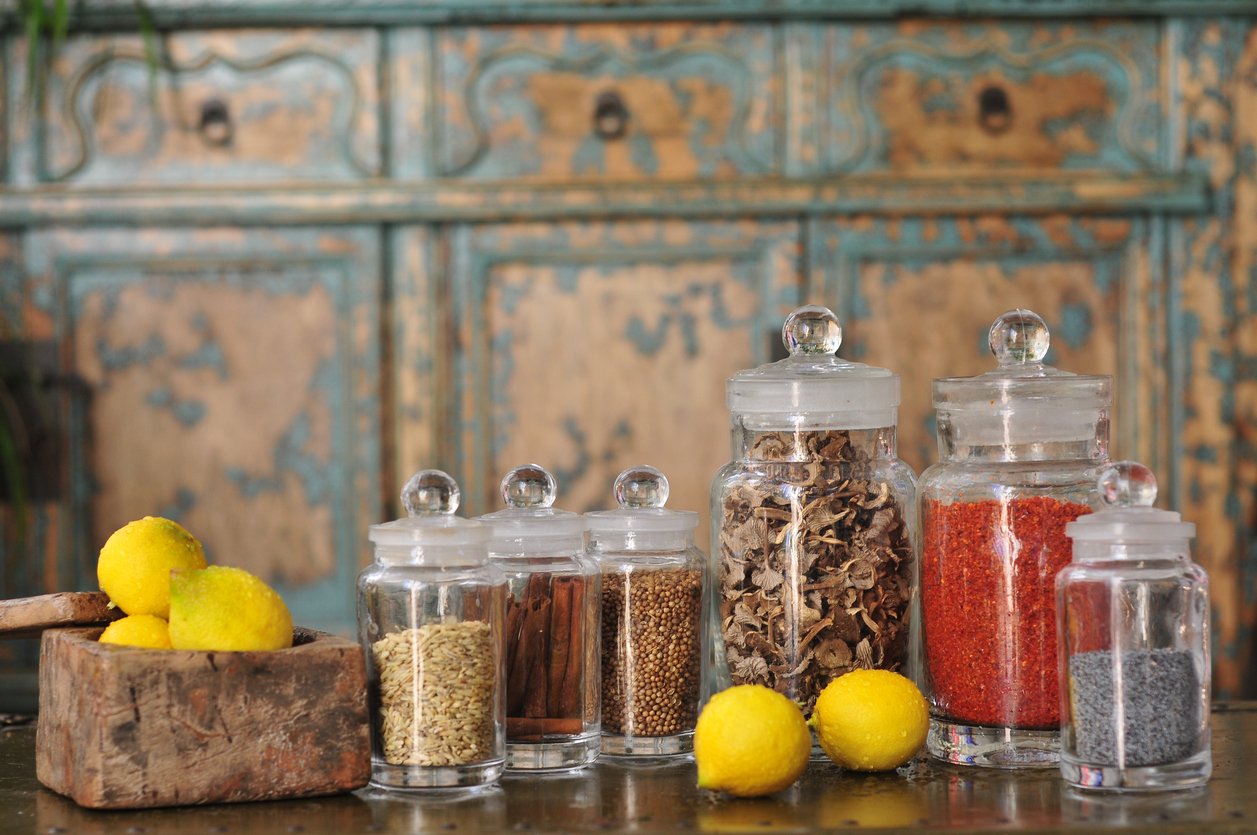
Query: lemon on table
[(135, 564), (871, 720), (750, 741), (147, 631), (226, 609)]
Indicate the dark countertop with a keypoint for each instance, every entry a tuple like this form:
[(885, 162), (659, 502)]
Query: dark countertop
[(926, 796)]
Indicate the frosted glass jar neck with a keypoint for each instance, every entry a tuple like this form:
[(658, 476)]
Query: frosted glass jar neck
[(955, 446), (1166, 553), (755, 441), (431, 556)]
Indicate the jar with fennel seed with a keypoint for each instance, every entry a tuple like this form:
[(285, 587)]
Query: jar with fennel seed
[(553, 709), (430, 613), (652, 619), (1133, 632), (814, 522), (1019, 448)]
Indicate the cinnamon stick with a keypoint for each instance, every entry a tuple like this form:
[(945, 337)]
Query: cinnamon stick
[(571, 699), (535, 640), (560, 640), (516, 662)]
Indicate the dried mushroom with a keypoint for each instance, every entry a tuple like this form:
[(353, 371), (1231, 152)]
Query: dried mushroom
[(815, 575)]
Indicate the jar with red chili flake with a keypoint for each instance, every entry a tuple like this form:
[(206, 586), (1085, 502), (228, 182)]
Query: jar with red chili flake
[(1019, 450)]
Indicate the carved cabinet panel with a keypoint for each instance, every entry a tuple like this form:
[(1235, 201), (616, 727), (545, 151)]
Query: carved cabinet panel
[(228, 379), (970, 96), (588, 347), (219, 105), (622, 101), (918, 294)]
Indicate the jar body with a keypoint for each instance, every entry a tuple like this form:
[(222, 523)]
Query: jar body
[(652, 634), (993, 541), (1134, 672), (552, 696), (432, 636), (812, 569)]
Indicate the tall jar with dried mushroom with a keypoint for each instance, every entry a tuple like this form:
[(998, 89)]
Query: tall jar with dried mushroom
[(430, 620), (553, 708), (814, 522)]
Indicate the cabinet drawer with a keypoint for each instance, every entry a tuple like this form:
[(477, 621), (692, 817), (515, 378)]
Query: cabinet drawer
[(241, 106), (942, 97), (660, 101)]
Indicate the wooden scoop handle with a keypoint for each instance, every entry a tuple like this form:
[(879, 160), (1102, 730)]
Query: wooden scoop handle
[(26, 617)]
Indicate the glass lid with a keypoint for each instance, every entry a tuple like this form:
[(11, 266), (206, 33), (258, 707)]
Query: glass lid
[(529, 491), (641, 492), (813, 386), (1127, 490), (1023, 401), (430, 498)]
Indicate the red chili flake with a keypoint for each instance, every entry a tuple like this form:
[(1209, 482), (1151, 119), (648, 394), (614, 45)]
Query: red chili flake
[(988, 608)]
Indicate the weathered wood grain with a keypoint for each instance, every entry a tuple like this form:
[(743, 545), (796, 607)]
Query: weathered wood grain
[(124, 728), (25, 617)]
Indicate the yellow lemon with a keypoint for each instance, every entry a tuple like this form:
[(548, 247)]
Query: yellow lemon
[(871, 720), (750, 741), (226, 609), (138, 631), (135, 564)]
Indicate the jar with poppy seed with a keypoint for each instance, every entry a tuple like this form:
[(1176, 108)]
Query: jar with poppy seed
[(652, 619), (1133, 626), (553, 711), (430, 620), (812, 568), (1019, 450)]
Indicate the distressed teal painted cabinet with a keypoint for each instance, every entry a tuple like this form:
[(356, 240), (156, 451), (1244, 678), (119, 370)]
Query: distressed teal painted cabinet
[(322, 245)]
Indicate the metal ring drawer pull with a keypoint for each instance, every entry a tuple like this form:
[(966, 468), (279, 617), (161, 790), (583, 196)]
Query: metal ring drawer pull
[(995, 112), (611, 117), (215, 125)]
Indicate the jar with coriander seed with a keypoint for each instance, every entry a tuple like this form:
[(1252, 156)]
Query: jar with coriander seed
[(430, 613), (813, 522), (652, 619), (1019, 448), (553, 711)]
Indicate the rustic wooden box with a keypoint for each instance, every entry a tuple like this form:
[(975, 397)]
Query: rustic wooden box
[(130, 728)]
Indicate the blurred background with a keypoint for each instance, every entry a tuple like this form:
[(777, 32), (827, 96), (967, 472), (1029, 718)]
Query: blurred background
[(260, 260)]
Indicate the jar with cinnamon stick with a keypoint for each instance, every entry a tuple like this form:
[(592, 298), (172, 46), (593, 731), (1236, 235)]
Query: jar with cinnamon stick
[(552, 698), (652, 619), (430, 613)]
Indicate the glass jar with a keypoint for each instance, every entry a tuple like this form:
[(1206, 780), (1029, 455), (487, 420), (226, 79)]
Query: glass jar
[(430, 621), (652, 618), (1134, 644), (552, 687), (1019, 448), (813, 522)]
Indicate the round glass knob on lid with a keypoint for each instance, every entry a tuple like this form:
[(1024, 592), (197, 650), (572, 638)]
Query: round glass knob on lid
[(530, 485), (430, 499), (1127, 490), (813, 380), (1019, 337), (430, 492), (529, 492), (641, 486)]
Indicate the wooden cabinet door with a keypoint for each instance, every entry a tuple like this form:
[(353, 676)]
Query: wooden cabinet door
[(918, 295), (227, 378), (589, 347)]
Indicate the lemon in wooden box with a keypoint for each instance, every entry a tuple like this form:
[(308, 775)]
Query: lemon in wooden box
[(240, 706)]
